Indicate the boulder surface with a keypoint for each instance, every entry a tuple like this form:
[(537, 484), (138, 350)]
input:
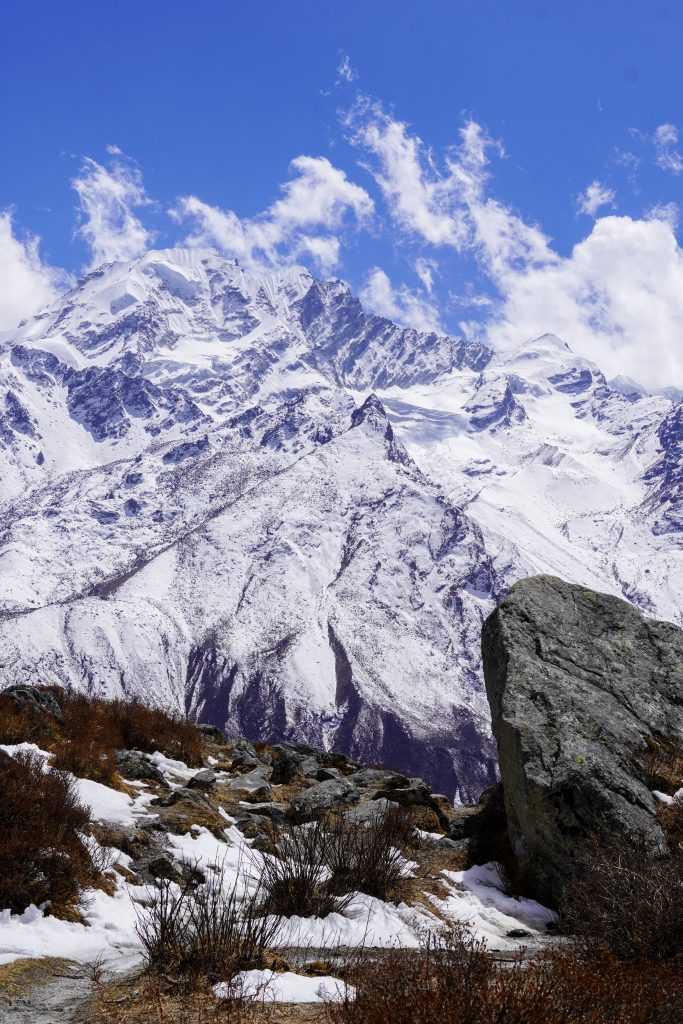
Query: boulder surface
[(578, 683)]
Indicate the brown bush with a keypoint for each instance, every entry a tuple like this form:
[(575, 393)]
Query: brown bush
[(628, 901), (295, 879), (23, 724), (42, 855), (85, 743), (201, 932), (663, 758), (369, 857), (453, 980)]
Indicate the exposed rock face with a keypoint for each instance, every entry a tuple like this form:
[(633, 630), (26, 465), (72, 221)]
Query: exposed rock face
[(577, 682)]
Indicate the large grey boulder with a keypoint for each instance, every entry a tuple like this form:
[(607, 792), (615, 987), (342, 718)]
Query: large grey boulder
[(577, 682)]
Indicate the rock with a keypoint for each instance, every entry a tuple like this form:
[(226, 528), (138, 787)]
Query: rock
[(323, 774), (205, 779), (253, 785), (369, 813), (577, 682), (378, 778), (212, 732), (33, 699), (453, 845), (132, 764), (163, 866), (276, 812), (243, 760), (294, 759), (194, 796), (415, 794), (323, 796)]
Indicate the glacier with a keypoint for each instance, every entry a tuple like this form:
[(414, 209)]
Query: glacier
[(241, 496)]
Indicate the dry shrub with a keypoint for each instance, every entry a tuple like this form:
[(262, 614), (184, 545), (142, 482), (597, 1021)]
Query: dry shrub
[(201, 932), (43, 857), (315, 868), (85, 743), (663, 759), (453, 980), (627, 900), (296, 880), (369, 857), (19, 724)]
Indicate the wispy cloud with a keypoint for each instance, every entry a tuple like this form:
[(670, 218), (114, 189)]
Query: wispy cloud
[(345, 71), (109, 197), (400, 304), (667, 156), (28, 282), (305, 221), (594, 198), (616, 298)]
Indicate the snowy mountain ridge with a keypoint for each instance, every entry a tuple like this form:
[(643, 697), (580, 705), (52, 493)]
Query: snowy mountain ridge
[(240, 495)]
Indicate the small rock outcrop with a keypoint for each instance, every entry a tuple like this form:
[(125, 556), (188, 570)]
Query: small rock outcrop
[(578, 682)]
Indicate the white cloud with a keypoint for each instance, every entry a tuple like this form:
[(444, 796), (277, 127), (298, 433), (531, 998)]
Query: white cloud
[(405, 307), (345, 71), (305, 221), (595, 196), (667, 156), (617, 298), (28, 283), (445, 206), (426, 270), (108, 199)]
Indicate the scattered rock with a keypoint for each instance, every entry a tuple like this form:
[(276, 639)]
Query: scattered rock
[(252, 786), (378, 778), (212, 732), (132, 764), (577, 682), (33, 699), (323, 796), (205, 779), (416, 794)]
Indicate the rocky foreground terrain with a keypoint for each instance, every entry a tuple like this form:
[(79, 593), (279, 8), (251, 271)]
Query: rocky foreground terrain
[(586, 700)]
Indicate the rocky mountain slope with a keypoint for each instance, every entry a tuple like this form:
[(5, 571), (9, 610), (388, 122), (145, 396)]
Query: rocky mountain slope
[(242, 496)]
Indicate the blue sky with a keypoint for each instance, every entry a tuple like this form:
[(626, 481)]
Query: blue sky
[(454, 154)]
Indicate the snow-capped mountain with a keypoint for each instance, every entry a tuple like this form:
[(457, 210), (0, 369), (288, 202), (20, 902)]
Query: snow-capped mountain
[(242, 496)]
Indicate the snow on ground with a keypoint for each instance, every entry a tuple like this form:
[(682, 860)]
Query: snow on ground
[(108, 928), (288, 987)]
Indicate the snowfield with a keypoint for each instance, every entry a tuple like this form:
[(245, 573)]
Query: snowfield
[(241, 496)]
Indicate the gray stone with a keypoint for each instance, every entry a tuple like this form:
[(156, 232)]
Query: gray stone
[(194, 796), (294, 759), (253, 785), (31, 698), (378, 778), (276, 812), (577, 682), (323, 796), (205, 779), (212, 732), (132, 764), (415, 794), (323, 774), (369, 813)]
